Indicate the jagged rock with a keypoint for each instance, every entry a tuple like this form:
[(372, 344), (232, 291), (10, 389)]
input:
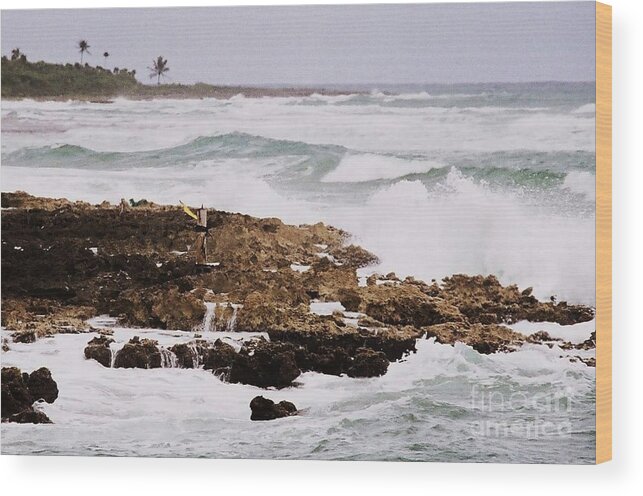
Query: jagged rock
[(328, 281), (15, 392), (325, 360), (20, 390), (77, 260), (266, 409), (165, 308), (42, 386), (98, 349), (488, 318), (588, 344), (367, 321), (5, 345), (349, 298), (406, 305), (540, 337), (32, 318), (139, 353), (368, 363), (30, 417), (190, 355), (259, 313), (485, 339), (590, 362), (219, 357), (265, 364), (478, 297), (24, 337), (354, 256)]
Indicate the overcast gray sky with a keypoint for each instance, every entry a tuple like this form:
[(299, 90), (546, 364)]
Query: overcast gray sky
[(448, 43)]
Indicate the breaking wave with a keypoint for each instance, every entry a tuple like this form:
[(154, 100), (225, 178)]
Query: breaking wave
[(231, 145)]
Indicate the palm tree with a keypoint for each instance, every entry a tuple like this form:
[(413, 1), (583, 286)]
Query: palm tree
[(106, 54), (15, 54), (83, 47), (158, 69)]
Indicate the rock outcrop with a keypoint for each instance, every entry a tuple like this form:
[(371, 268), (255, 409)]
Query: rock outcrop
[(164, 308), (98, 349), (189, 355), (219, 358), (368, 363), (72, 260), (406, 305), (265, 364), (21, 390), (266, 409), (140, 354), (483, 338), (42, 386)]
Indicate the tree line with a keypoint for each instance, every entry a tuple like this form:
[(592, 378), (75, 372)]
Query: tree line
[(158, 69)]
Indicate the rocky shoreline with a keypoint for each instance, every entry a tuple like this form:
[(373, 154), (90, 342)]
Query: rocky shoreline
[(65, 262)]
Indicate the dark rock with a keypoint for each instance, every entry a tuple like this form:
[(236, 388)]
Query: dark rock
[(540, 337), (588, 344), (266, 409), (477, 296), (325, 360), (19, 390), (488, 318), (368, 363), (24, 337), (99, 350), (139, 353), (590, 362), (406, 305), (42, 386), (350, 299), (485, 339), (15, 392), (265, 364), (355, 256), (161, 307), (189, 355), (30, 417), (220, 356)]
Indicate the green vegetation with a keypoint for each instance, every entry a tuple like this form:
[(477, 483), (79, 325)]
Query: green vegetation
[(45, 81), (158, 69), (83, 47), (23, 79)]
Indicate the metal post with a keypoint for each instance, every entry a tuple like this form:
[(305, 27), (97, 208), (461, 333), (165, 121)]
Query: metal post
[(201, 239)]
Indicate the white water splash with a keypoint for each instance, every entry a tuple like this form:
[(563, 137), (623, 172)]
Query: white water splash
[(427, 407), (208, 319)]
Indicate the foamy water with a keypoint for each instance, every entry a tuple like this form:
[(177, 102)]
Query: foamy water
[(443, 403), (434, 184), (495, 179)]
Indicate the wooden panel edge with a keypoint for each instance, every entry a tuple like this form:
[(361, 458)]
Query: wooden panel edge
[(603, 232)]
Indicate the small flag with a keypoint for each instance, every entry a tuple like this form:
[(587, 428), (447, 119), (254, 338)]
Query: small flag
[(187, 210)]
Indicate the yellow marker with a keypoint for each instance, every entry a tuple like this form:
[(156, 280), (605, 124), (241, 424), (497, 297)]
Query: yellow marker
[(187, 210)]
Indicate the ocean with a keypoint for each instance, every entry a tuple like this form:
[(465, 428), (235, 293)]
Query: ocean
[(435, 180)]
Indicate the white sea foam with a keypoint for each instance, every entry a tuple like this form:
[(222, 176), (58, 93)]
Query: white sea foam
[(127, 125), (576, 333), (355, 168), (589, 108), (443, 223), (580, 182), (428, 407), (468, 228)]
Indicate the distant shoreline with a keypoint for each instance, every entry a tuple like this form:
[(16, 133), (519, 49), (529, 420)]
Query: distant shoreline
[(188, 92), (43, 81)]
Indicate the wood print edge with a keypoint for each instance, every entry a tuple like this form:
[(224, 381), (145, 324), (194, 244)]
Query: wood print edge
[(603, 232)]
